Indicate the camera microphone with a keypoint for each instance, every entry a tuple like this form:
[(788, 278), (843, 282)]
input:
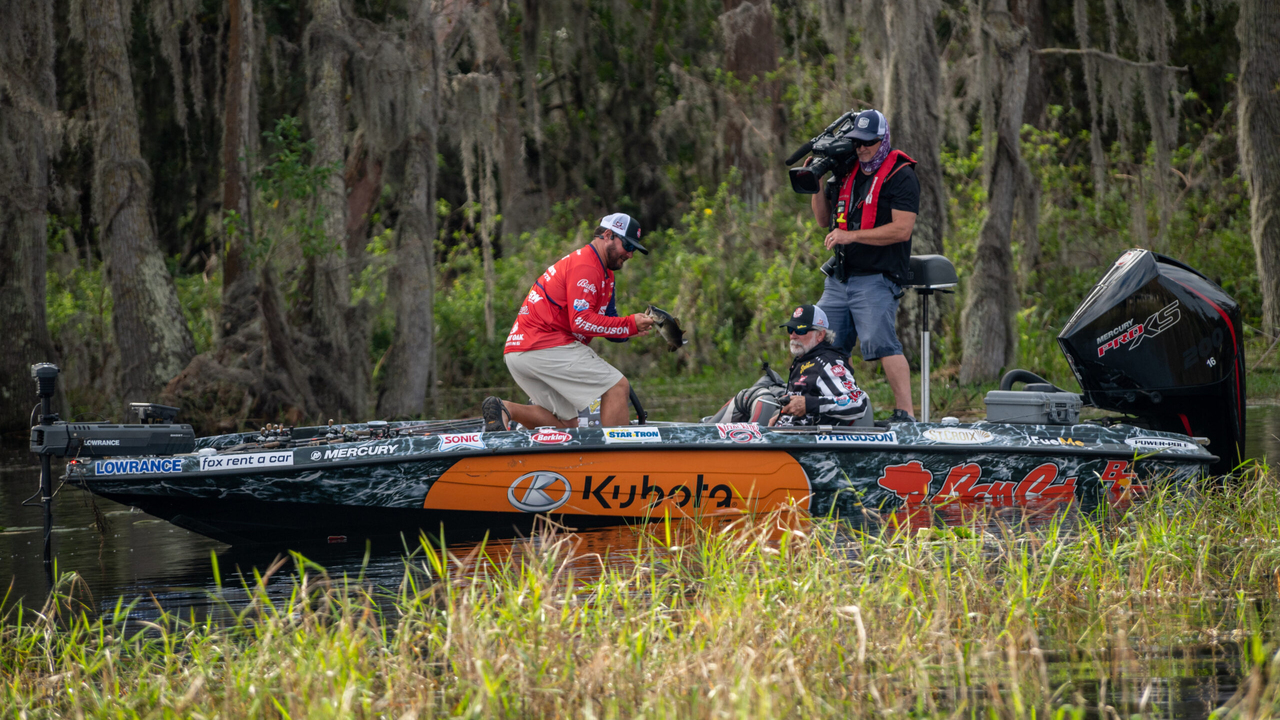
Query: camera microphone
[(801, 152)]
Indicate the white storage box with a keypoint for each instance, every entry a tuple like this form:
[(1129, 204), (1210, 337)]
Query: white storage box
[(1033, 408)]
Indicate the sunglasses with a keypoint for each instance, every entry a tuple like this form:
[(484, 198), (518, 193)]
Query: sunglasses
[(867, 143), (627, 245), (793, 331)]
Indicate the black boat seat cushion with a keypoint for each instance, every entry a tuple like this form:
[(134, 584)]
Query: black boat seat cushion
[(931, 272)]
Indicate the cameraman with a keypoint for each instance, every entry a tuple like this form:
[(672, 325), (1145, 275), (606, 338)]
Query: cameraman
[(871, 212)]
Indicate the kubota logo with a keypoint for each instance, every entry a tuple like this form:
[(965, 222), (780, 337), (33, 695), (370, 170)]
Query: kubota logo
[(539, 491)]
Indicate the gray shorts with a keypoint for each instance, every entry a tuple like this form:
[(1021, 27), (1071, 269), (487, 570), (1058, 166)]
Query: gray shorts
[(864, 308), (564, 379)]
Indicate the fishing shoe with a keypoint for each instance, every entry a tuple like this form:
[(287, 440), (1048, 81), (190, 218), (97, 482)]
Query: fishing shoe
[(495, 414), (899, 416)]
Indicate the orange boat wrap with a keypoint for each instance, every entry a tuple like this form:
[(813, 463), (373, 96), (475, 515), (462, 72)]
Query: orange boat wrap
[(653, 483)]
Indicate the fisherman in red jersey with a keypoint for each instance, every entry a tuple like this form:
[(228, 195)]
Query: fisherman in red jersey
[(547, 351)]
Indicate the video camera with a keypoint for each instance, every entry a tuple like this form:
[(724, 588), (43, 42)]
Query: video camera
[(832, 150)]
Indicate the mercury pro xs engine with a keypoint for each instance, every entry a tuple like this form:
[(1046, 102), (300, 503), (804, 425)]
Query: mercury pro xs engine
[(1158, 340)]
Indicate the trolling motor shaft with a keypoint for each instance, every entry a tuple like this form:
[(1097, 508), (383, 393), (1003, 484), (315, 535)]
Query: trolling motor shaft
[(46, 377)]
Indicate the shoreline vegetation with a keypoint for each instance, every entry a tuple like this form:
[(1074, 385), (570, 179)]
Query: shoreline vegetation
[(1164, 606)]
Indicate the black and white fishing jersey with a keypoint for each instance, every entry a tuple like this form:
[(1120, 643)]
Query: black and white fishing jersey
[(823, 377)]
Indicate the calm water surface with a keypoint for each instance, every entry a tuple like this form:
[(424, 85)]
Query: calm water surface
[(139, 556)]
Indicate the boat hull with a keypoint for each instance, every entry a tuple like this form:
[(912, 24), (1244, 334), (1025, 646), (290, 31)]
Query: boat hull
[(465, 485)]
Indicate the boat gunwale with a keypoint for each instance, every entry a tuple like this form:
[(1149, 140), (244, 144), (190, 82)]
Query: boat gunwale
[(1165, 455)]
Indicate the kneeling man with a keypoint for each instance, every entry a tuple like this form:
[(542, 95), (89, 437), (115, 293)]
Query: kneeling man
[(547, 351), (820, 389)]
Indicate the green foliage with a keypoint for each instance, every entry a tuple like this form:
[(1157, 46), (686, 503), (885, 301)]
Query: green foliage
[(78, 302), (372, 288), (201, 300), (288, 186)]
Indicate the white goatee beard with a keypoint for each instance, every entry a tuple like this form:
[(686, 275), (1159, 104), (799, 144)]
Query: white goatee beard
[(798, 348)]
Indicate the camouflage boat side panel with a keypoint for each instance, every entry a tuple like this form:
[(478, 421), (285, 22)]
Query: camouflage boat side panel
[(910, 463)]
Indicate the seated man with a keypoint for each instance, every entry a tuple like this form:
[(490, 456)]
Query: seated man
[(820, 388), (547, 351)]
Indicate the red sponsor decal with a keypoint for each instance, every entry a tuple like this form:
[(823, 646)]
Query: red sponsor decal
[(910, 482), (740, 432), (337, 539), (837, 370), (1118, 480), (551, 437)]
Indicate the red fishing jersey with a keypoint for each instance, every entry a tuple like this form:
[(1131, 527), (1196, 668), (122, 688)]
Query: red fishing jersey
[(573, 300)]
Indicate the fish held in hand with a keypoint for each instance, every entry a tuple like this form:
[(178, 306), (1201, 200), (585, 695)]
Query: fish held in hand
[(668, 327)]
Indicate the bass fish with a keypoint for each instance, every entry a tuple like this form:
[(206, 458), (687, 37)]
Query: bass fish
[(668, 327)]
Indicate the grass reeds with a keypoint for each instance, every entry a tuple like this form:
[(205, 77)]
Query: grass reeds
[(1081, 616)]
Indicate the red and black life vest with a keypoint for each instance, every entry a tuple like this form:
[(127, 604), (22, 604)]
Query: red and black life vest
[(870, 202)]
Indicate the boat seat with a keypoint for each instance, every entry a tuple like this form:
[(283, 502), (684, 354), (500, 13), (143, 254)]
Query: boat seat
[(930, 273)]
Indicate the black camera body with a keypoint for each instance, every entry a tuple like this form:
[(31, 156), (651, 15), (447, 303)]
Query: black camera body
[(832, 151)]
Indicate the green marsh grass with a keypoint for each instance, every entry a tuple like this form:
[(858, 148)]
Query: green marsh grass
[(1069, 616)]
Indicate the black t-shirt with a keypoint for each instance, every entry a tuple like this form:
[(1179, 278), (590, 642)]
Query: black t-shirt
[(900, 192)]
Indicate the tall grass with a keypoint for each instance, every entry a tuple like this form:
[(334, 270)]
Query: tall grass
[(1057, 618)]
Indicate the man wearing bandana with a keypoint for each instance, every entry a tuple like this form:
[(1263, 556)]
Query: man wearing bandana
[(870, 213)]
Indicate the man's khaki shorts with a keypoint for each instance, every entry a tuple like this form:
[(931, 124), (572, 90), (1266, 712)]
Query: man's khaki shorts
[(562, 379)]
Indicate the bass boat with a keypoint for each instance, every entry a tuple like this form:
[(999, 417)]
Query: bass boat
[(1155, 339)]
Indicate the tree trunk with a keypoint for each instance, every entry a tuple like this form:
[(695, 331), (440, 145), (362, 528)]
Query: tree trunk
[(1259, 111), (1034, 14), (27, 99), (911, 87), (238, 279), (751, 52), (345, 373), (153, 338), (989, 340), (410, 366)]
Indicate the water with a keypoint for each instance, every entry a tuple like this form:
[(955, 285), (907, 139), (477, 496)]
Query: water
[(167, 567)]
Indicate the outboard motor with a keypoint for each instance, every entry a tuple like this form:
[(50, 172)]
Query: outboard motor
[(1158, 340)]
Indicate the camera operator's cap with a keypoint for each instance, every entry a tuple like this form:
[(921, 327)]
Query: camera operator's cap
[(807, 317), (626, 226), (869, 125)]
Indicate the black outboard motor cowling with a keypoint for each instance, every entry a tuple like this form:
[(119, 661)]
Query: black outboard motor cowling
[(1158, 340)]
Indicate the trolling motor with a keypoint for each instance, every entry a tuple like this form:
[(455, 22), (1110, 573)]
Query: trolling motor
[(153, 433)]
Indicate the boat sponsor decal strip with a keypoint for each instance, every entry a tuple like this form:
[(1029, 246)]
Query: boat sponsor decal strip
[(621, 483), (351, 453), (1157, 444), (858, 438), (959, 436), (453, 441), (638, 434), (740, 432), (139, 466), (246, 461), (551, 437)]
